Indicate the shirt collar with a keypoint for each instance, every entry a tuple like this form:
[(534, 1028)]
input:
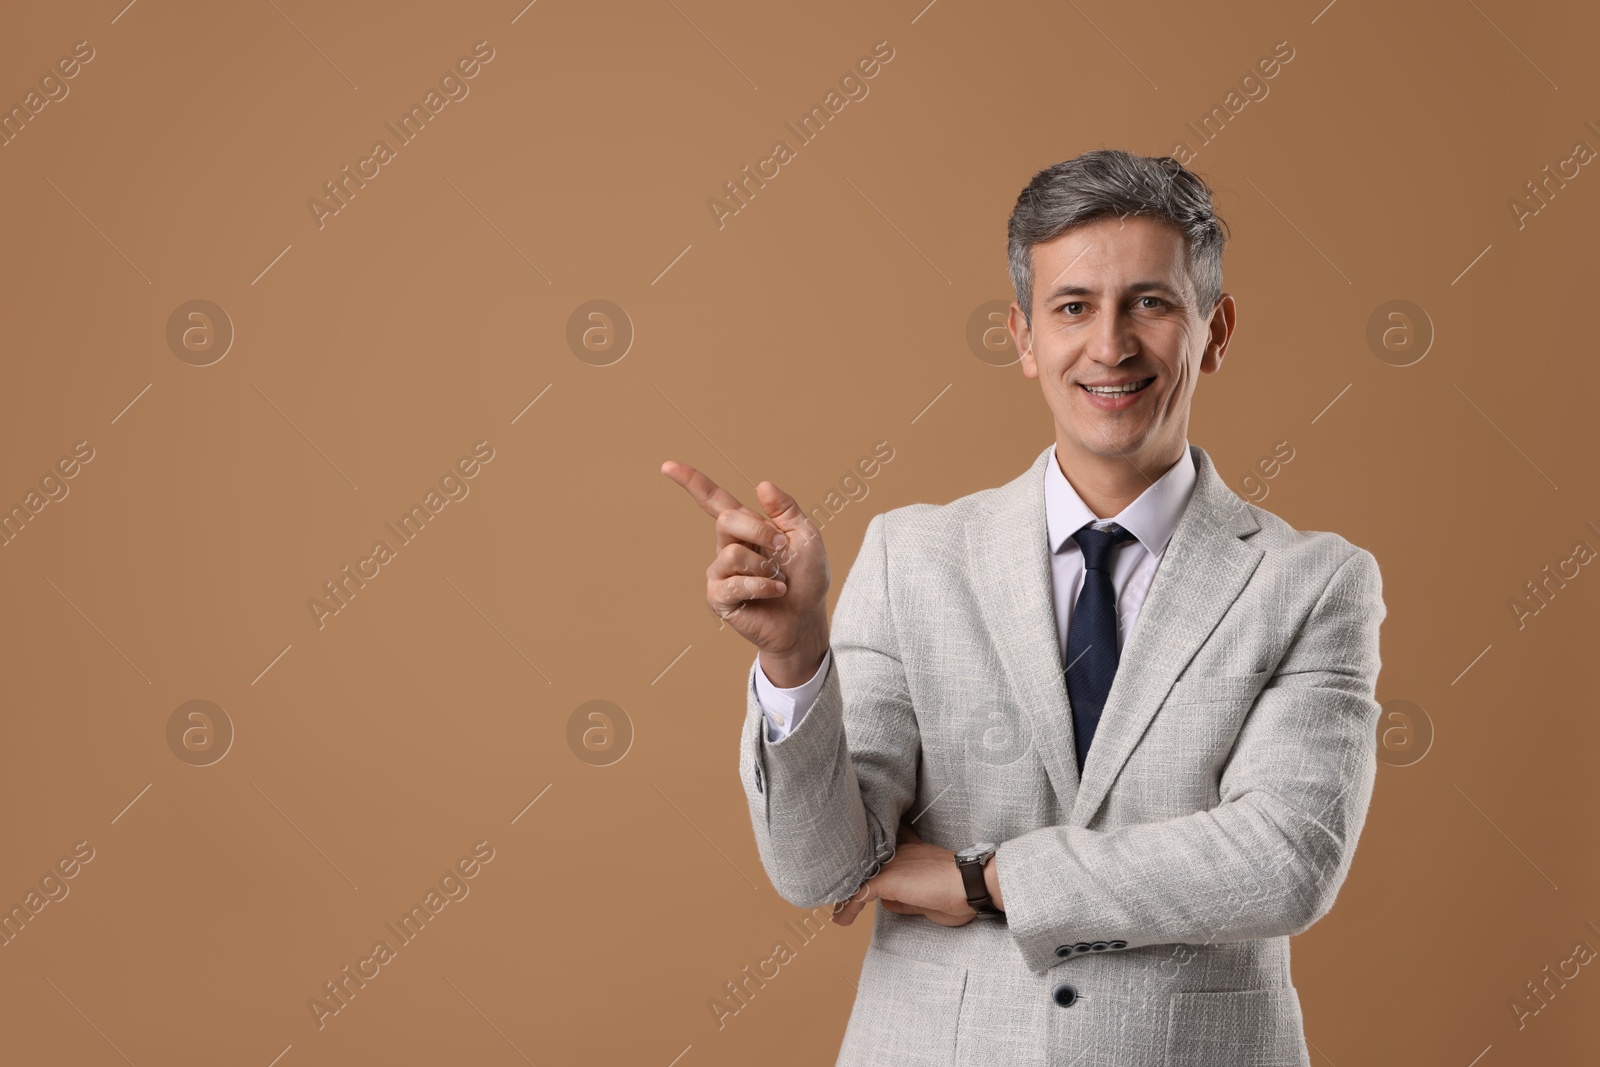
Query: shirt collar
[(1151, 517)]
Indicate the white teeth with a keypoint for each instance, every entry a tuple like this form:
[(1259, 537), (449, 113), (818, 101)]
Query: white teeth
[(1116, 390)]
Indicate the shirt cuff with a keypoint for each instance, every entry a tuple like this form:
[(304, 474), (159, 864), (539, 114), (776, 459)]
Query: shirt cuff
[(784, 708)]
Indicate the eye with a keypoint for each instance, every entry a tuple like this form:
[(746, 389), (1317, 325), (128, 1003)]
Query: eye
[(1070, 304), (1158, 301)]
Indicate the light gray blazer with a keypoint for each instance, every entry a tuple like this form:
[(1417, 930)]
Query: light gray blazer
[(1149, 906)]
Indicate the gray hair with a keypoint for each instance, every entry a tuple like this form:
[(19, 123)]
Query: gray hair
[(1109, 182)]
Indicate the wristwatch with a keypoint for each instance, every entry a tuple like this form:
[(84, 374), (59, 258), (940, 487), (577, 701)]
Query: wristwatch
[(971, 860)]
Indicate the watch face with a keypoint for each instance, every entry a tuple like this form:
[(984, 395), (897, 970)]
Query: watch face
[(972, 852)]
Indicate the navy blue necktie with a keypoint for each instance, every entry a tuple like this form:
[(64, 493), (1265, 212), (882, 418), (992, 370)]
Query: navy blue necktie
[(1092, 637)]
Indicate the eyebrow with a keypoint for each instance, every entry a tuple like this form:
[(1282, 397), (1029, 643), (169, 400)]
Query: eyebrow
[(1136, 287)]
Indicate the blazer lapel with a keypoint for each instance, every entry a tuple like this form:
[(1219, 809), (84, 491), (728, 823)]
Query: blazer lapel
[(1203, 571), (1205, 567), (1009, 556)]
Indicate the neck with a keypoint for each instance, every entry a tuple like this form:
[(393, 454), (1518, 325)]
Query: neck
[(1106, 485)]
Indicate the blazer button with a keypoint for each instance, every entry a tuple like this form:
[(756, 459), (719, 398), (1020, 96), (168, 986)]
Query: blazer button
[(1118, 944), (1065, 994), (1081, 946), (1063, 951), (1099, 946)]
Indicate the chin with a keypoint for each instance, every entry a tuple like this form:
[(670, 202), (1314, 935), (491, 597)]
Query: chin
[(1104, 447)]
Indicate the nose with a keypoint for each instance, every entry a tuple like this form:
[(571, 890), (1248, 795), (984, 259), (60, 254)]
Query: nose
[(1112, 340)]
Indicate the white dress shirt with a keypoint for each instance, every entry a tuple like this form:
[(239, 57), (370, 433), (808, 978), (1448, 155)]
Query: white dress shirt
[(1151, 518)]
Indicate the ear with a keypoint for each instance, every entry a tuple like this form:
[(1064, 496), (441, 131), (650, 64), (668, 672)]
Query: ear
[(1022, 337), (1221, 328)]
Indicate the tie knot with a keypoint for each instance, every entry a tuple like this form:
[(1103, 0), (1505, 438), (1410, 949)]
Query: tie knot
[(1098, 545)]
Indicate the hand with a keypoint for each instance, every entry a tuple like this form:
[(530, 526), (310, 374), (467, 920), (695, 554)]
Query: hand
[(769, 580), (919, 879)]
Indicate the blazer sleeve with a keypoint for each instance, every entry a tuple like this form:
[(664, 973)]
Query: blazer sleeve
[(1268, 860), (826, 800)]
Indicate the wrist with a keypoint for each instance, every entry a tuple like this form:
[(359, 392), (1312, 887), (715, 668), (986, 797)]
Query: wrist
[(795, 666), (991, 879), (978, 884)]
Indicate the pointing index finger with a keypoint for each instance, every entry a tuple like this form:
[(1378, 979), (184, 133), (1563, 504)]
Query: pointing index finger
[(712, 498)]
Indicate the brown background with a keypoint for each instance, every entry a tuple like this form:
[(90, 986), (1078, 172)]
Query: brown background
[(828, 314)]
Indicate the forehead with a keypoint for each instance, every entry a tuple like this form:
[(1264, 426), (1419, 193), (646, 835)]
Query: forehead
[(1110, 251)]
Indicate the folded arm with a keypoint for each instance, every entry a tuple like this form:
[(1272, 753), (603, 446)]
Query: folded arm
[(1269, 859)]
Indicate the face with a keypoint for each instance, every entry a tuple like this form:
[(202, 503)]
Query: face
[(1113, 305)]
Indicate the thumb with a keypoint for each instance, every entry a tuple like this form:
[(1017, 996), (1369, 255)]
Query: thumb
[(845, 913), (780, 507)]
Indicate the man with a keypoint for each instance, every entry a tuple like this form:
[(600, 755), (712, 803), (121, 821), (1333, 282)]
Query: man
[(1155, 698)]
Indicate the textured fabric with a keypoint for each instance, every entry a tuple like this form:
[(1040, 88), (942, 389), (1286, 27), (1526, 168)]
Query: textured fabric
[(1231, 776), (1152, 517), (1091, 652)]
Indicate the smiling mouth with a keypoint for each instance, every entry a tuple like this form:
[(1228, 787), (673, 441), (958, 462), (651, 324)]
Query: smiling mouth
[(1117, 390)]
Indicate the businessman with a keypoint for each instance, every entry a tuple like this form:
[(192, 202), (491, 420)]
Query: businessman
[(1098, 741)]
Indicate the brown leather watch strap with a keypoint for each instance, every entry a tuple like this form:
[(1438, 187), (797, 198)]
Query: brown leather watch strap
[(977, 889)]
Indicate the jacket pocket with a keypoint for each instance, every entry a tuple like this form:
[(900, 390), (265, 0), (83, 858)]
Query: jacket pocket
[(1252, 1028), (1205, 689), (905, 1013)]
